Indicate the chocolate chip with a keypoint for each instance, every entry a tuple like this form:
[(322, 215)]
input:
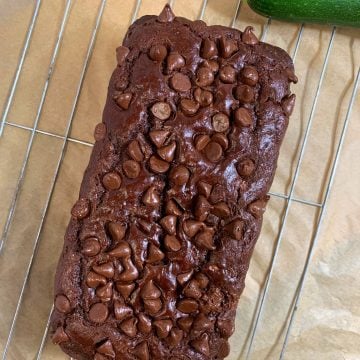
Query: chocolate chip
[(201, 141), (205, 239), (203, 97), (175, 61), (122, 311), (100, 132), (204, 76), (291, 76), (180, 82), (158, 52), (242, 117), (129, 327), (172, 208), (226, 327), (150, 291), (204, 188), (288, 104), (192, 290), (161, 110), (202, 208), (213, 151), (123, 100), (106, 349), (158, 137), (246, 167), (208, 49), (223, 348), (167, 152), (130, 272), (169, 224), (185, 277), (227, 74), (179, 175), (257, 208), (117, 231), (201, 344), (235, 229), (166, 16), (202, 279), (105, 292), (93, 280), (221, 139), (248, 36), (121, 53), (157, 165), (249, 75), (145, 226), (189, 107), (244, 93), (111, 181), (98, 313), (227, 47), (141, 351), (162, 328), (125, 289), (214, 300), (152, 307), (81, 209), (154, 254), (59, 336), (106, 269), (151, 197), (144, 324), (212, 64), (175, 337), (187, 306), (221, 210), (202, 323), (62, 304), (135, 152), (121, 250), (172, 243), (185, 323), (192, 227), (220, 122), (131, 169), (91, 247)]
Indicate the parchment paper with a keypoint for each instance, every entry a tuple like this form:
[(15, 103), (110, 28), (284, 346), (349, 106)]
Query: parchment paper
[(327, 325)]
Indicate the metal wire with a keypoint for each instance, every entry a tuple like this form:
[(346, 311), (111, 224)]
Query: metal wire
[(202, 11), (20, 65), (136, 11), (237, 12), (82, 76), (22, 172), (315, 238), (33, 130), (290, 198)]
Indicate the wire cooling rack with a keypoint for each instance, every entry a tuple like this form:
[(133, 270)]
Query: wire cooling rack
[(289, 198)]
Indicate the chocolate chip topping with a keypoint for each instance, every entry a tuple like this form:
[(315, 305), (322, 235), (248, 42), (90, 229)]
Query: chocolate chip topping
[(170, 208), (121, 53), (111, 181), (180, 82), (99, 131), (158, 52)]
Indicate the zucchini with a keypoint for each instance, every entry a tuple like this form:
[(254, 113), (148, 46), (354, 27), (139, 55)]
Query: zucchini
[(334, 12)]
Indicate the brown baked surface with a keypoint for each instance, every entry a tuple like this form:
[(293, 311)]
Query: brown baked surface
[(171, 203)]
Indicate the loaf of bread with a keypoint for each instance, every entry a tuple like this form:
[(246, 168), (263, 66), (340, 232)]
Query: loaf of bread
[(171, 204)]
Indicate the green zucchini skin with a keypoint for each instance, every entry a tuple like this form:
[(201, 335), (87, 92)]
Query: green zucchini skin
[(332, 12)]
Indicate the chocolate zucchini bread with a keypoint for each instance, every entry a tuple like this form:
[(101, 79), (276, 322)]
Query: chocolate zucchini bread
[(171, 204)]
